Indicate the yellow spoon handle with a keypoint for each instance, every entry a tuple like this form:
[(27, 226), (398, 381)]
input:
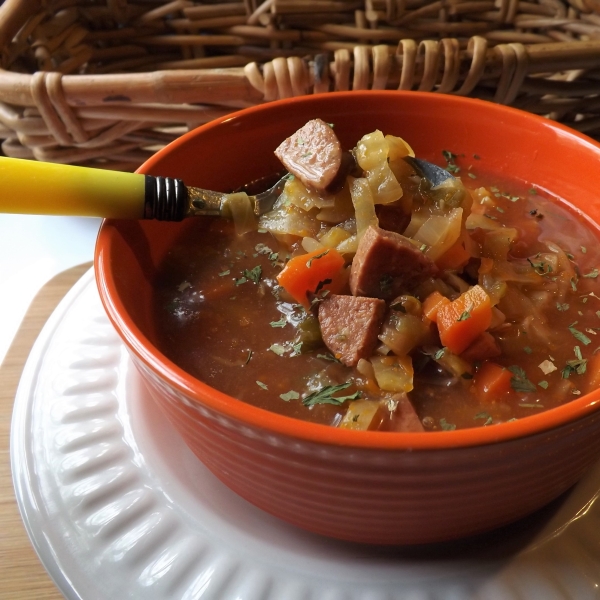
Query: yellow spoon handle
[(31, 187)]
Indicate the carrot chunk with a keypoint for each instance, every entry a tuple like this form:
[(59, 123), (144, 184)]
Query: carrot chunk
[(491, 381), (456, 257), (432, 304), (463, 319), (312, 272)]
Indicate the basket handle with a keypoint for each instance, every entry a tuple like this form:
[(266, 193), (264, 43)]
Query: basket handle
[(13, 15)]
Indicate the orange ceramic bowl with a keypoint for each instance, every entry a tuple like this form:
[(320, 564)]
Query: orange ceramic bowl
[(375, 487)]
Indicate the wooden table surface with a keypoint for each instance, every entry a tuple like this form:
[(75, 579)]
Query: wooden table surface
[(21, 573)]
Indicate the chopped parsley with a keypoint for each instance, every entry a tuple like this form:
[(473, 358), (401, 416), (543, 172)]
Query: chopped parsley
[(325, 395), (592, 274), (291, 395), (223, 273), (486, 416), (584, 339), (578, 366), (466, 315), (309, 262), (253, 274), (562, 307), (447, 426), (329, 357), (281, 323), (540, 267), (543, 384), (262, 385), (519, 381)]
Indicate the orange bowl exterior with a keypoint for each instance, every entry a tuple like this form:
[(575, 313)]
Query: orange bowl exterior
[(373, 487)]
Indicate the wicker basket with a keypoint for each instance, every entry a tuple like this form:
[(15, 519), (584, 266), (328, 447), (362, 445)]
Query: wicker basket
[(106, 82)]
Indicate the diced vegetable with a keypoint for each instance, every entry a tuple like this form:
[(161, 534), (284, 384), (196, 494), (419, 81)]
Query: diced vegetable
[(432, 304), (461, 321), (491, 382), (455, 258), (393, 373), (403, 332), (243, 216), (440, 232), (362, 415), (454, 364), (312, 272), (364, 207)]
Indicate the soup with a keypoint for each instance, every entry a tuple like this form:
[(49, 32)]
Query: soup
[(376, 300)]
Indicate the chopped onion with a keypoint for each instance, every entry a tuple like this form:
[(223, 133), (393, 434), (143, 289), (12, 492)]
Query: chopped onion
[(393, 373), (440, 232), (371, 150), (398, 148), (364, 208), (288, 219), (362, 415), (242, 213), (310, 244)]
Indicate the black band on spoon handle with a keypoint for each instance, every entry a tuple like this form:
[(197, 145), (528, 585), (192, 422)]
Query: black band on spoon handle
[(166, 199)]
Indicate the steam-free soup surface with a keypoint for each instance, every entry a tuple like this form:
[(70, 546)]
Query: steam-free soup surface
[(226, 319)]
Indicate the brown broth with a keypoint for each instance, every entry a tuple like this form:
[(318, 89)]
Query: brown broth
[(219, 325)]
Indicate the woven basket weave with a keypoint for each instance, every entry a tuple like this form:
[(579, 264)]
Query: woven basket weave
[(105, 83)]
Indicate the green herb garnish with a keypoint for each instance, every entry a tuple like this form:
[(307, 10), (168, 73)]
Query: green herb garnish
[(584, 339), (309, 262), (281, 323), (486, 416), (325, 395), (579, 365), (447, 426), (291, 395), (253, 274), (260, 384), (519, 381), (329, 357)]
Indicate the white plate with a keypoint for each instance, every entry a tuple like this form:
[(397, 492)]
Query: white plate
[(117, 507)]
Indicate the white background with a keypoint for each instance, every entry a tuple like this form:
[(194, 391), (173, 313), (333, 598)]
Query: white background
[(33, 249)]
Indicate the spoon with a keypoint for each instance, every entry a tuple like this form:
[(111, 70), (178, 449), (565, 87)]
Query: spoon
[(32, 187), (434, 174)]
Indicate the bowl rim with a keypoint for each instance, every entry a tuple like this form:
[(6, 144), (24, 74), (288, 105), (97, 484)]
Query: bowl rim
[(274, 423)]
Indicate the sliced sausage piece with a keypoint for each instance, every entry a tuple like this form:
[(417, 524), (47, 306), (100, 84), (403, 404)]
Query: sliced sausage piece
[(349, 326), (313, 154), (405, 416), (387, 264)]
